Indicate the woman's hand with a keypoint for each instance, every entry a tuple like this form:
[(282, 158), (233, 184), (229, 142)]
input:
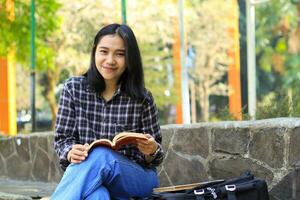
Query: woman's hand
[(78, 153), (147, 147)]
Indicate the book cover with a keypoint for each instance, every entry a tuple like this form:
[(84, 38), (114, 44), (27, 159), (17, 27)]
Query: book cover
[(123, 138)]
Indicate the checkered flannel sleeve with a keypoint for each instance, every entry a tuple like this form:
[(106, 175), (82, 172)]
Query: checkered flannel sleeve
[(65, 129), (150, 125)]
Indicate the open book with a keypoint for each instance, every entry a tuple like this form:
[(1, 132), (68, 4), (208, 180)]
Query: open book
[(119, 140), (186, 186)]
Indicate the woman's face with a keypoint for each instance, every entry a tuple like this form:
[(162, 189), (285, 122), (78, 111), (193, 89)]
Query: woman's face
[(110, 58)]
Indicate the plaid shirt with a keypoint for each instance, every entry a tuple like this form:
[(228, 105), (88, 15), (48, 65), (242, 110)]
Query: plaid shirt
[(84, 116)]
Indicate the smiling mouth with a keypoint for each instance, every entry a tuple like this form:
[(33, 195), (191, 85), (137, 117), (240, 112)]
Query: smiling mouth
[(109, 68)]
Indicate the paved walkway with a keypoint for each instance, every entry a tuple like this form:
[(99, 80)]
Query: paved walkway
[(24, 190)]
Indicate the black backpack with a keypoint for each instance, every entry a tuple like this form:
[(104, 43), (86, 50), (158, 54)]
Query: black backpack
[(244, 187)]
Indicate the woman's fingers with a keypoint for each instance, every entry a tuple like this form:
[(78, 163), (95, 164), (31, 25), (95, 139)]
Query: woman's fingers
[(147, 147), (80, 147), (78, 153)]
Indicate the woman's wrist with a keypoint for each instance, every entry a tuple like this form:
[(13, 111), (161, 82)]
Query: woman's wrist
[(155, 152)]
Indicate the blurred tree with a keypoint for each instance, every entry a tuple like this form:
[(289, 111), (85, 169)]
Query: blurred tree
[(153, 28), (72, 42), (278, 45), (17, 33), (207, 30), (82, 19)]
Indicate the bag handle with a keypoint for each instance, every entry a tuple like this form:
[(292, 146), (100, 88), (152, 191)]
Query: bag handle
[(199, 194), (231, 192)]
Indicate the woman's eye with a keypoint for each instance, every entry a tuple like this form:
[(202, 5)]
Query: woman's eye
[(102, 51), (120, 54)]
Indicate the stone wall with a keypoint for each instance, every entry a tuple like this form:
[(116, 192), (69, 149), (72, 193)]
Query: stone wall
[(194, 153), (29, 157)]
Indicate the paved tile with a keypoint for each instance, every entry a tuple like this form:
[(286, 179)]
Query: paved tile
[(35, 190)]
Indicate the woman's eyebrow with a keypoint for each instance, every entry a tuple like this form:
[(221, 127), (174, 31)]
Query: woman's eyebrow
[(104, 47)]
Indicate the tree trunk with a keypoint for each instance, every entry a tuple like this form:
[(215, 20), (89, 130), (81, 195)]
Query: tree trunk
[(204, 94), (193, 102), (201, 101), (206, 107), (52, 78)]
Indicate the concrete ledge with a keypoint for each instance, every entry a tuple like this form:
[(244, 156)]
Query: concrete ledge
[(194, 153), (25, 190), (7, 196)]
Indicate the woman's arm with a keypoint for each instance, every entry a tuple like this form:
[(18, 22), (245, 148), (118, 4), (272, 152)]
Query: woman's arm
[(154, 154), (65, 129)]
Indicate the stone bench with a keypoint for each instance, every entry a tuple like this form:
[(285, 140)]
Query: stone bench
[(24, 190), (194, 153)]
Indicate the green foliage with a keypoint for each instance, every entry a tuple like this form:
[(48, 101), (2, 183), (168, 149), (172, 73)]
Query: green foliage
[(280, 104), (153, 25), (17, 32), (273, 105), (274, 25), (265, 61), (292, 75), (224, 115), (156, 60), (276, 104)]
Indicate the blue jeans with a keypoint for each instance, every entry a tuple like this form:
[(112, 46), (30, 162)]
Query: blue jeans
[(105, 175)]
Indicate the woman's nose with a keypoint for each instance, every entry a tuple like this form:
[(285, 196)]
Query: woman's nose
[(110, 59)]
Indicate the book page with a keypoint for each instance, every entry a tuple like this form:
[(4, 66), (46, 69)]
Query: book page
[(122, 135), (101, 142), (119, 140), (125, 138)]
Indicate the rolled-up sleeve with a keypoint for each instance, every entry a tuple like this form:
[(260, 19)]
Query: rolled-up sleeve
[(150, 125), (65, 128)]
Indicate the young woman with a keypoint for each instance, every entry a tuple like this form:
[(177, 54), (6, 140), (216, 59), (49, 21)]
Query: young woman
[(108, 99)]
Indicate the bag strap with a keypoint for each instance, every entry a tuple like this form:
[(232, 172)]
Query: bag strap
[(199, 194), (200, 197), (230, 189), (208, 191)]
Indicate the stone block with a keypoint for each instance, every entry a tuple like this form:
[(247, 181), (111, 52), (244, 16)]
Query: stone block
[(7, 147), (288, 186), (43, 143), (192, 141), (167, 135), (17, 168), (294, 150), (55, 171), (267, 145), (163, 179), (230, 140), (33, 144), (50, 144), (2, 167), (183, 170), (228, 167), (23, 148), (41, 166)]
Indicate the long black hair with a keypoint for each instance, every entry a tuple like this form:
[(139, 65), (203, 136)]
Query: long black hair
[(132, 79)]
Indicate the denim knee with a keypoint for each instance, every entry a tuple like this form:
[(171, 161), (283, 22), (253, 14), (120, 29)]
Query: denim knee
[(104, 155), (101, 193)]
